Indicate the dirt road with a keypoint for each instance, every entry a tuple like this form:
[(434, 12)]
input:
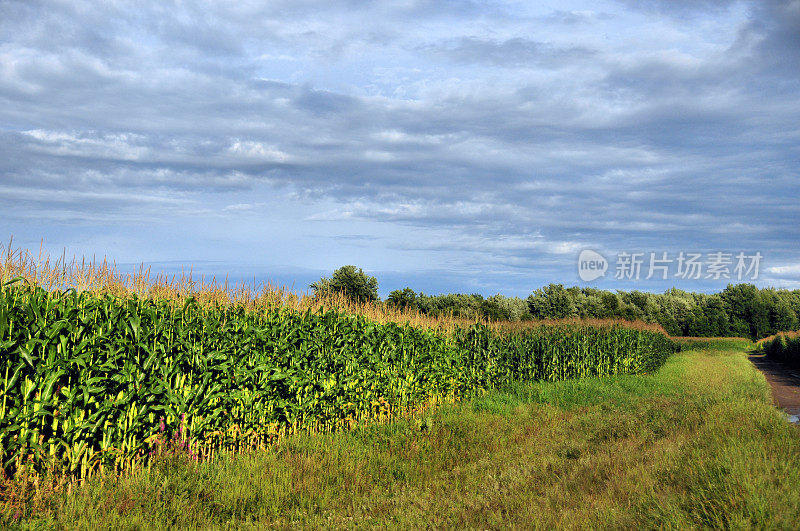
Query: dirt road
[(785, 384)]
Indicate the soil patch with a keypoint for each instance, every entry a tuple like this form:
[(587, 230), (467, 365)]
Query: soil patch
[(785, 383)]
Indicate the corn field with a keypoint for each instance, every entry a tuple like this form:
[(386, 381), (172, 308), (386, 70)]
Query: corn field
[(92, 381), (783, 347)]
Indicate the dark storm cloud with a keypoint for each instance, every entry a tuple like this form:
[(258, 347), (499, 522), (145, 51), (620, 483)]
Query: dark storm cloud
[(774, 34)]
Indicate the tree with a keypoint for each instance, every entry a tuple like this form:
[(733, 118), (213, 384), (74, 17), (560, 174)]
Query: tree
[(493, 311), (551, 302), (717, 318), (351, 281), (611, 304), (748, 309), (406, 298), (514, 308), (698, 324), (781, 317), (636, 298)]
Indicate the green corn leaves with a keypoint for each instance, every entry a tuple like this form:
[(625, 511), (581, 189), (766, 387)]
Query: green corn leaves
[(94, 381)]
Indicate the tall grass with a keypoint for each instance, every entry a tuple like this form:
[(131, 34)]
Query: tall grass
[(713, 343)]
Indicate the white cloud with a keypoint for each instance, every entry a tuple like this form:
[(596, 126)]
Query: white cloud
[(121, 146), (258, 151), (786, 270)]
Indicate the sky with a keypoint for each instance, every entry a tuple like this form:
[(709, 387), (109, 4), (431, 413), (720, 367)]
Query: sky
[(450, 146)]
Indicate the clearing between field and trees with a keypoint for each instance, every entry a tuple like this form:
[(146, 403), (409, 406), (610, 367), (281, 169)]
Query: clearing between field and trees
[(140, 402)]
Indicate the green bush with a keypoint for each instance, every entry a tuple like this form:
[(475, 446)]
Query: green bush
[(351, 281)]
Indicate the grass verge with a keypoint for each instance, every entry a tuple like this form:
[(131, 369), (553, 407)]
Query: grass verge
[(696, 444)]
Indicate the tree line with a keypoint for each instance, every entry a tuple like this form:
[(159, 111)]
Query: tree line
[(739, 310)]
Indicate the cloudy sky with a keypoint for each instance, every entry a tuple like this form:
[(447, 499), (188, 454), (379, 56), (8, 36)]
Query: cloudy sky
[(463, 145)]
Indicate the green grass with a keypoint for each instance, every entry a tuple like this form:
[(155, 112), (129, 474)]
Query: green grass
[(696, 444), (714, 343)]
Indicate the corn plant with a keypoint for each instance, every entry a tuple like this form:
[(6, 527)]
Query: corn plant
[(783, 347), (93, 380)]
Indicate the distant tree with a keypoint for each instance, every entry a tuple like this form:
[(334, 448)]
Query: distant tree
[(406, 298), (592, 307), (636, 298), (630, 312), (611, 304), (456, 304), (792, 298), (351, 281), (698, 324), (782, 317), (748, 308), (493, 311), (514, 308), (714, 309), (551, 302), (739, 310)]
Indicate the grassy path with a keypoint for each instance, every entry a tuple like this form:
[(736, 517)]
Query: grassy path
[(697, 444)]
